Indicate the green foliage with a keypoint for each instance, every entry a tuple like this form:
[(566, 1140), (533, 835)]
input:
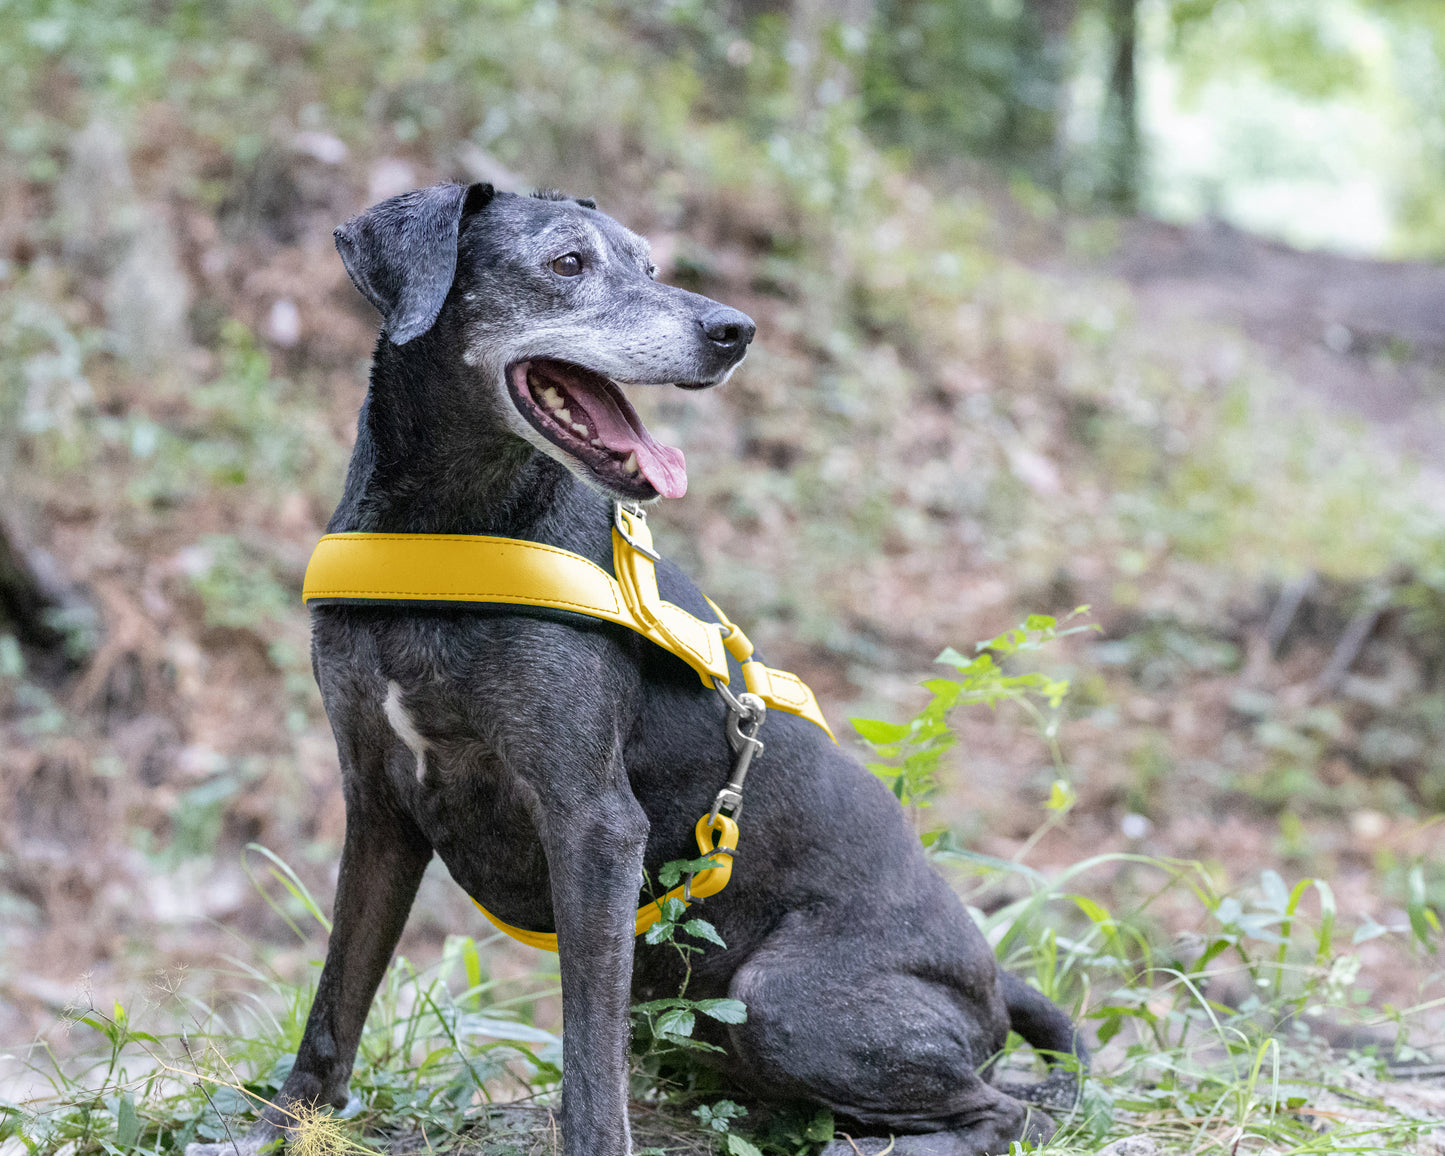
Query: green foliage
[(1186, 1045), (910, 753), (662, 1027), (718, 1118), (1296, 45), (969, 77), (437, 1044), (526, 81), (1187, 1050), (237, 589), (1166, 652)]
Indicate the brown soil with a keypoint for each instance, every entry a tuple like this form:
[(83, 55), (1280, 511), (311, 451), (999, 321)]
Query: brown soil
[(1368, 337), (167, 697)]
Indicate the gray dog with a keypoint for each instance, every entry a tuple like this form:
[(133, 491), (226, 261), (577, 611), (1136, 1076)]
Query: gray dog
[(549, 762)]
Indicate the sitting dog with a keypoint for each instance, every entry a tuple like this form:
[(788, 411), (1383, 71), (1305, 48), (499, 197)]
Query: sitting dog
[(551, 759)]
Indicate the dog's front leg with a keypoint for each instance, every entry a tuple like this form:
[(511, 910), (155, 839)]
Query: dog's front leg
[(382, 863), (594, 855)]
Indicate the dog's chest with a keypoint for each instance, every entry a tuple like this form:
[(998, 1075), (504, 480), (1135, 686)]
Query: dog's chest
[(465, 721), (460, 791)]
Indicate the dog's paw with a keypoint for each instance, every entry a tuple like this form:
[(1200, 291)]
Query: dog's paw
[(863, 1146), (1039, 1127)]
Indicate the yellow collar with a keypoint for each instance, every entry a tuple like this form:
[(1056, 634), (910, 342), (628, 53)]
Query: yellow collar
[(510, 571)]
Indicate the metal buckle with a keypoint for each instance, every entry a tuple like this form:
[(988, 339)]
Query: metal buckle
[(745, 718), (621, 527), (731, 852)]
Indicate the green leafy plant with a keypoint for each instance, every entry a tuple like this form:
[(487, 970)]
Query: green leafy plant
[(1210, 1033), (909, 754), (669, 1023), (439, 1042), (718, 1118), (1209, 1027)]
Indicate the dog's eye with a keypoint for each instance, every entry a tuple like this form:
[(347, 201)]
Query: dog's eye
[(568, 266), (652, 271)]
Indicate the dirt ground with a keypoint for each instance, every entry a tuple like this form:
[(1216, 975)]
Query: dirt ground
[(169, 698), (1367, 337)]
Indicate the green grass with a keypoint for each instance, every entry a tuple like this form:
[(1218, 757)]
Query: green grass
[(1207, 1040), (883, 296), (439, 1042), (441, 1045)]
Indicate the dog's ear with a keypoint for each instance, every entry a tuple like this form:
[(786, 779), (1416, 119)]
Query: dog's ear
[(402, 253)]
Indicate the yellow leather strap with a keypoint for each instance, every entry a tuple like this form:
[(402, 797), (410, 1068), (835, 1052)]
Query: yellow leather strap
[(696, 642), (704, 883), (508, 571), (777, 688), (473, 568)]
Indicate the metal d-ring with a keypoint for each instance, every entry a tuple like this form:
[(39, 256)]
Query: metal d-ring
[(621, 527), (687, 882)]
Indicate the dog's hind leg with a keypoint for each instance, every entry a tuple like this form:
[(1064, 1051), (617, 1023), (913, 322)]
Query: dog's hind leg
[(382, 862), (892, 1043)]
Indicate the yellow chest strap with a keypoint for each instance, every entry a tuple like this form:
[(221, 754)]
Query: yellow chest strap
[(509, 571)]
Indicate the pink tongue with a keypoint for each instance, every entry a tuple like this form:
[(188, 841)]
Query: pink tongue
[(661, 465)]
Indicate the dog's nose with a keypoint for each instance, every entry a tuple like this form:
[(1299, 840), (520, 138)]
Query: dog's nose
[(728, 329)]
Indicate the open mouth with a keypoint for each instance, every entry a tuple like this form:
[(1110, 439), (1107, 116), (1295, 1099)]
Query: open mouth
[(586, 415)]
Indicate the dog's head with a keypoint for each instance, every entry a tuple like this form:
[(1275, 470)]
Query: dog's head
[(554, 308)]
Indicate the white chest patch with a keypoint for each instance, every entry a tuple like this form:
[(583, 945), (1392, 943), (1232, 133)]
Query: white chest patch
[(405, 729)]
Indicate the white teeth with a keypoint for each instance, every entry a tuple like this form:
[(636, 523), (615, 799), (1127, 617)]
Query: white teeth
[(579, 427), (549, 395), (630, 464), (598, 443), (563, 415)]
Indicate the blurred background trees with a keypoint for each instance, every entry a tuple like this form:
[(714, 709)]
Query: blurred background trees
[(1243, 109), (1181, 108), (1134, 303)]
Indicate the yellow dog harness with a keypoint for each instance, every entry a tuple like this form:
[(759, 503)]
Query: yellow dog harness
[(465, 568)]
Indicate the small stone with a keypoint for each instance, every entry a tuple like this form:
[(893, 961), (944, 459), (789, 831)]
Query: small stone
[(283, 323), (1131, 1146), (321, 146)]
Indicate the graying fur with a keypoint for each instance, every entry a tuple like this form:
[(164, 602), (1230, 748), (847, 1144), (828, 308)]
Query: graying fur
[(564, 757)]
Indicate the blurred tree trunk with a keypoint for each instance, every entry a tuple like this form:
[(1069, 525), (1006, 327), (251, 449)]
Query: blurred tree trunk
[(24, 603), (818, 76), (1120, 131), (1055, 22)]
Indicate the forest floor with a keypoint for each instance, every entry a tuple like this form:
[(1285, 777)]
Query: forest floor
[(1364, 336), (1240, 720)]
